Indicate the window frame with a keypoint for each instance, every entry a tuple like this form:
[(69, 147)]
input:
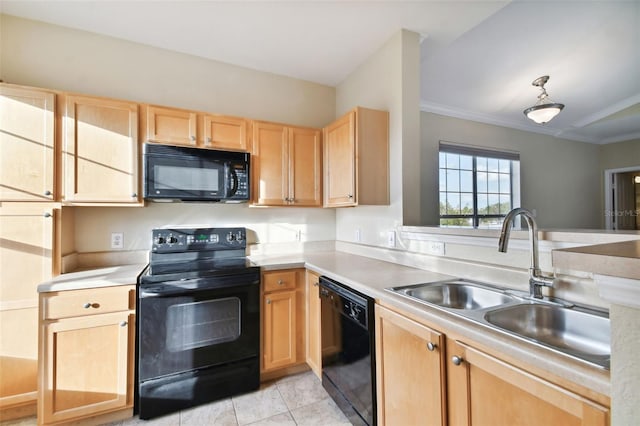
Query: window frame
[(475, 152)]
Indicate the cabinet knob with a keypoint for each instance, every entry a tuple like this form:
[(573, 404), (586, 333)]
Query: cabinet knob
[(350, 196), (431, 346), (46, 214), (134, 195), (456, 360), (316, 284), (123, 324), (86, 305), (209, 140), (268, 301), (47, 192), (280, 282), (193, 138)]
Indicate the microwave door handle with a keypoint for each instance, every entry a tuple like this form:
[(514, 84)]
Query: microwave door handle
[(234, 178)]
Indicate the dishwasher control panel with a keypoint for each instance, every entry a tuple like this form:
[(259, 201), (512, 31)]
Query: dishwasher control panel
[(346, 301)]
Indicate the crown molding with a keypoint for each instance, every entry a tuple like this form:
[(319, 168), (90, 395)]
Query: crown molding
[(610, 110), (489, 119)]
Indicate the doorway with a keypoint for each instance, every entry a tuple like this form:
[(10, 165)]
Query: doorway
[(622, 198)]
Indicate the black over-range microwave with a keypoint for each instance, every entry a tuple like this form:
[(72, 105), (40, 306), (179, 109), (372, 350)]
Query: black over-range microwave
[(180, 173)]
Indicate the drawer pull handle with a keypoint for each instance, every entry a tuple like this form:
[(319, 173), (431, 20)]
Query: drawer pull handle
[(280, 282), (456, 360), (431, 346), (123, 324), (86, 305)]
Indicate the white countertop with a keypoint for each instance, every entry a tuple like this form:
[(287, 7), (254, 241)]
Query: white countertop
[(621, 259), (94, 278)]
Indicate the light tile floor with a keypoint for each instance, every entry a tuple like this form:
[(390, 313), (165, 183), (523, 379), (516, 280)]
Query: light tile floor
[(294, 400)]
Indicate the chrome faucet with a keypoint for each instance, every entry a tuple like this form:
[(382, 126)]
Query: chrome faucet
[(536, 279)]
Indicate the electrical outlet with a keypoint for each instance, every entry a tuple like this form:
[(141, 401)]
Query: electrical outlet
[(117, 240), (435, 247), (391, 238), (358, 235), (298, 235)]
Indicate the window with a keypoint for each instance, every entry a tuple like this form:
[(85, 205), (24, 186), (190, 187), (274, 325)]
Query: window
[(477, 187)]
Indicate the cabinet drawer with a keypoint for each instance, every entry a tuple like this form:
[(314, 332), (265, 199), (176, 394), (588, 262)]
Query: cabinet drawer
[(74, 303), (279, 280)]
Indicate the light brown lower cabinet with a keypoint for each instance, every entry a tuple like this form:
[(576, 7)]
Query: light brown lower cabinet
[(86, 354), (485, 390), (283, 323), (426, 377), (314, 338), (409, 370), (27, 258)]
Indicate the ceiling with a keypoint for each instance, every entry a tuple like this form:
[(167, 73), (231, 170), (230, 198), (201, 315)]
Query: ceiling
[(478, 57)]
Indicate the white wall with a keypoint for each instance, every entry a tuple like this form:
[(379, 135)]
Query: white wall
[(38, 54), (93, 225), (560, 179), (388, 80)]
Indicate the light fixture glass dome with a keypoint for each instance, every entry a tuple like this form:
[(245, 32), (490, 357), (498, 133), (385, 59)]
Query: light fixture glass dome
[(545, 109)]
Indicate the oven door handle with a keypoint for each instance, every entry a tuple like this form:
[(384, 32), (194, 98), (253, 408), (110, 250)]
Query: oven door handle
[(173, 291)]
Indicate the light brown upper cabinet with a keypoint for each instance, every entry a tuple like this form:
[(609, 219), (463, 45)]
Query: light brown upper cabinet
[(223, 132), (27, 148), (100, 151), (182, 127), (356, 159), (170, 125), (286, 165)]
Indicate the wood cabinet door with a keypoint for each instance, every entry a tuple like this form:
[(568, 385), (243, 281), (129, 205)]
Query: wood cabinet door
[(340, 162), (305, 167), (409, 370), (222, 132), (279, 329), (85, 366), (485, 390), (100, 151), (270, 164), (171, 126), (27, 154), (314, 342), (26, 260)]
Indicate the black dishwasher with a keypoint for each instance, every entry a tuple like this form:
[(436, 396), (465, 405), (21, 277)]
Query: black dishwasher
[(348, 350)]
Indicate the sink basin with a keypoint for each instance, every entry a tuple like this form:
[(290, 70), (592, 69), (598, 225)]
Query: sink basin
[(578, 332), (456, 295)]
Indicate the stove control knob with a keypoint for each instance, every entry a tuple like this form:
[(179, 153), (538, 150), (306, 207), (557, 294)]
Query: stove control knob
[(172, 239), (161, 240), (231, 237)]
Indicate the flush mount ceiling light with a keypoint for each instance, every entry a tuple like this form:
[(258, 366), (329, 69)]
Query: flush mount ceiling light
[(545, 109)]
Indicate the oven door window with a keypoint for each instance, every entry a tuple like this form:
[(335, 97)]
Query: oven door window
[(201, 324)]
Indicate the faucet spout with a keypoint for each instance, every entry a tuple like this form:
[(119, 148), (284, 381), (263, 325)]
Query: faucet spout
[(536, 279)]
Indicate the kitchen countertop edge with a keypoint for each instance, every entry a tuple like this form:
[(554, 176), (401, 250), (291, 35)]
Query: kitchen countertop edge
[(94, 278)]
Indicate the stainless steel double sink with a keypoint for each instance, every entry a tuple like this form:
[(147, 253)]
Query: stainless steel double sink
[(578, 331)]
